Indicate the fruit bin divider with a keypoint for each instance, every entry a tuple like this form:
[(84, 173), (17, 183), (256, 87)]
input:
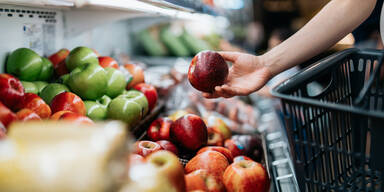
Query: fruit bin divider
[(141, 127), (345, 115)]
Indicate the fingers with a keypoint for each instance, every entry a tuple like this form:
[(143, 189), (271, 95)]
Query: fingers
[(210, 95), (226, 92), (229, 56)]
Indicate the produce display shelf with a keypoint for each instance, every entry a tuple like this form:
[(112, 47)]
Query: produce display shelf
[(133, 7)]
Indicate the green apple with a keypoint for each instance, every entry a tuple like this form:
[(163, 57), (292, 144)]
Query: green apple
[(116, 82), (88, 81), (80, 56), (40, 85), (46, 70), (29, 87), (124, 109), (139, 98), (51, 90), (25, 64), (97, 110), (63, 79)]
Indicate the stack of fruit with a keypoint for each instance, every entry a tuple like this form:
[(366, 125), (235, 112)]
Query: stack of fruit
[(77, 85), (220, 162)]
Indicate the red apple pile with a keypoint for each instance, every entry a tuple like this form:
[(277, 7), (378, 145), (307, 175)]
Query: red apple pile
[(219, 163)]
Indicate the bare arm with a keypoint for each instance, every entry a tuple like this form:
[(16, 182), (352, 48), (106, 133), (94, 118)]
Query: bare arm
[(332, 23), (249, 73)]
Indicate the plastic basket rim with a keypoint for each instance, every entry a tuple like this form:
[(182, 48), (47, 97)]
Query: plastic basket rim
[(320, 66)]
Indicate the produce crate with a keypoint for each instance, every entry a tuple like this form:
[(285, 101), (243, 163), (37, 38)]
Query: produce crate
[(141, 128), (335, 135)]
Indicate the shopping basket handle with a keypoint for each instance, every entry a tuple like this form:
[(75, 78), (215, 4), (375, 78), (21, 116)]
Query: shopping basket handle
[(311, 72)]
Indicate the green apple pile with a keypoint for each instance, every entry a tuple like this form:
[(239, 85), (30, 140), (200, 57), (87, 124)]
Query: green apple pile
[(98, 81)]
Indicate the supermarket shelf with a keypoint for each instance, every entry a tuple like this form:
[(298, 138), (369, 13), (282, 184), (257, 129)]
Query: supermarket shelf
[(135, 7), (82, 15), (41, 3)]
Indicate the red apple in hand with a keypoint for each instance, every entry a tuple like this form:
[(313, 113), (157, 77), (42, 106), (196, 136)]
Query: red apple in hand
[(149, 92), (202, 180), (222, 150), (145, 148), (207, 70), (214, 162), (57, 115), (167, 145), (76, 118), (190, 132), (27, 115), (11, 91), (6, 115), (137, 75), (246, 175), (159, 129), (108, 62), (67, 101), (37, 104), (215, 138), (58, 61)]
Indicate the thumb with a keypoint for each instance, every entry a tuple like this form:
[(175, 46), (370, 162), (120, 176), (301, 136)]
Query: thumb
[(229, 56)]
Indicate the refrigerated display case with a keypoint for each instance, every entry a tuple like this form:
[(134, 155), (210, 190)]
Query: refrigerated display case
[(45, 26)]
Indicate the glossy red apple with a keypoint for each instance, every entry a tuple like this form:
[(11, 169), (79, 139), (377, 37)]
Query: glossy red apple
[(57, 115), (215, 138), (27, 115), (76, 118), (144, 148), (108, 62), (67, 101), (11, 91), (137, 75), (241, 157), (149, 92), (159, 129), (202, 180), (246, 175), (6, 115), (169, 146), (207, 70), (37, 104), (214, 162), (222, 150), (58, 61), (235, 147), (190, 132)]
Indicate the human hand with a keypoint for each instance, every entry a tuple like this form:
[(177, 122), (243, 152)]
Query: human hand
[(247, 75)]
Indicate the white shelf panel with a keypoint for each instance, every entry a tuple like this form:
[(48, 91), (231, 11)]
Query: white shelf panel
[(146, 7), (41, 3)]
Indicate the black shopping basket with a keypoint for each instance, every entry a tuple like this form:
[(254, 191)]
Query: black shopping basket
[(336, 136)]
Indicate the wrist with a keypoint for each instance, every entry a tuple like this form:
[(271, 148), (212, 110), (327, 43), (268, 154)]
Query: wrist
[(272, 62)]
